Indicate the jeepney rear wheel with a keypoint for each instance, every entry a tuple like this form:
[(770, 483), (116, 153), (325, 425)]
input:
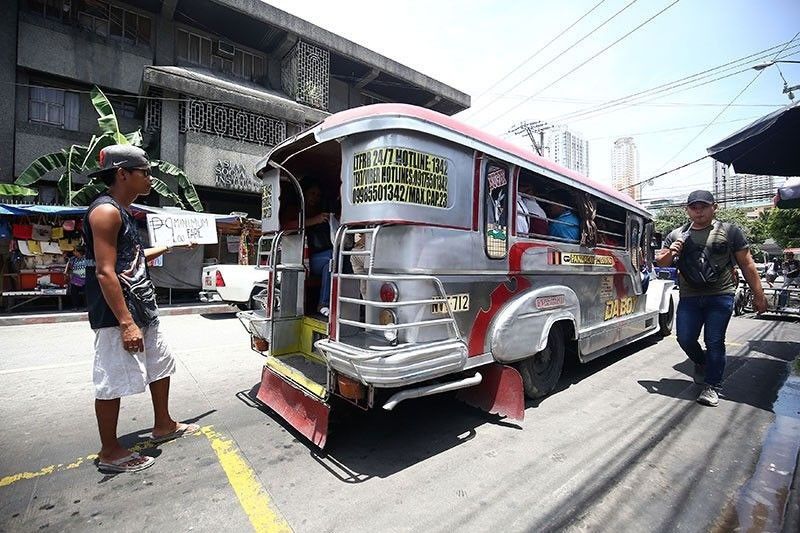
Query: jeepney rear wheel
[(540, 373), (665, 320)]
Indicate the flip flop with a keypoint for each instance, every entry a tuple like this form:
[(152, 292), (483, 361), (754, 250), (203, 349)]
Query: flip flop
[(121, 464), (188, 429)]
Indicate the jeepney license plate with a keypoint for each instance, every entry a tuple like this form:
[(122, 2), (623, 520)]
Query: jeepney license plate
[(207, 282), (458, 302)]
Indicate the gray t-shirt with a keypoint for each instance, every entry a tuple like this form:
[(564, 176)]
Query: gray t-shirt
[(720, 246)]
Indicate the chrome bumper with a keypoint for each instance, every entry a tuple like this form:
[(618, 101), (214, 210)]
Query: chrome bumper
[(395, 366)]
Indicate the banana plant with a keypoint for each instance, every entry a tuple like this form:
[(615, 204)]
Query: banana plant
[(79, 159), (10, 189)]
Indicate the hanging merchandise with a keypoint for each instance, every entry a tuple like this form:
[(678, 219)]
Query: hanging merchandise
[(67, 245), (68, 225), (51, 247), (22, 231), (34, 248), (56, 233), (23, 248), (41, 232)]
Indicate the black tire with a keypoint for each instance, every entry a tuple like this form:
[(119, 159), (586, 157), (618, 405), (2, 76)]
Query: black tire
[(541, 372), (665, 320)]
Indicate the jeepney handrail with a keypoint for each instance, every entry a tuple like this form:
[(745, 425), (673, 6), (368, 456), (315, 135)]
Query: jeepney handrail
[(369, 251)]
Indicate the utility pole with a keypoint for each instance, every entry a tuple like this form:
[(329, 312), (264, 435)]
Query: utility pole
[(534, 130)]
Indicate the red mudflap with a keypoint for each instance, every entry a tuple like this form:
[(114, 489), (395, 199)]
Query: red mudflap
[(306, 414), (500, 392)]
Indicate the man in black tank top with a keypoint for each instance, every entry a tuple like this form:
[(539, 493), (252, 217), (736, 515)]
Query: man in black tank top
[(130, 353)]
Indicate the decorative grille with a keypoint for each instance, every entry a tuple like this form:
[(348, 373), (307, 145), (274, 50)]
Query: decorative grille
[(152, 112), (305, 74), (226, 121)]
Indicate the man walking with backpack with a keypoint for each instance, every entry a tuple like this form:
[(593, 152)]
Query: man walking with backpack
[(705, 252)]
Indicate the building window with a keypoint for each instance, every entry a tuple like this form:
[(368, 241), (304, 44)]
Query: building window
[(106, 20), (228, 59), (51, 9), (55, 107)]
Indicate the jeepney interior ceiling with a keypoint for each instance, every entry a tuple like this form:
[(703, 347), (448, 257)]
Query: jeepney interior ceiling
[(322, 161)]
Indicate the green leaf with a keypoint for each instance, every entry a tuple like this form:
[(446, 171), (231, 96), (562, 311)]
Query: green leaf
[(135, 138), (108, 119), (184, 184), (42, 166), (161, 188), (93, 151), (9, 189), (88, 192), (75, 158)]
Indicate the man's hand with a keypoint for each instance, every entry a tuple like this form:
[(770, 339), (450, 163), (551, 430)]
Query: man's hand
[(676, 248), (132, 338), (318, 219), (759, 303)]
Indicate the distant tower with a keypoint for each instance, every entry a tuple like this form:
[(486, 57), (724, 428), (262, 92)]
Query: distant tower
[(720, 182), (568, 149), (625, 167)]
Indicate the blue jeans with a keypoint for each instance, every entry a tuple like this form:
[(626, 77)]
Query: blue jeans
[(712, 313), (319, 267)]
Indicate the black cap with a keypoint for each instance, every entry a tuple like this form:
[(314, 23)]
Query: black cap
[(701, 196), (121, 156)]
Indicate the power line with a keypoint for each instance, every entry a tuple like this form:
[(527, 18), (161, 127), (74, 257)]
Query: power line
[(725, 108), (560, 54), (574, 69), (666, 130), (537, 52), (669, 86)]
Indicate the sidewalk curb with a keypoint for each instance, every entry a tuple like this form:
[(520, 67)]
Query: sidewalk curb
[(791, 514), (63, 317)]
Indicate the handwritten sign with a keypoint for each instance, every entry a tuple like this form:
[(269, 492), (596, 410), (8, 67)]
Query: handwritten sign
[(169, 229)]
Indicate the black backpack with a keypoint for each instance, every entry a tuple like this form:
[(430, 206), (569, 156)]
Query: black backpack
[(694, 262)]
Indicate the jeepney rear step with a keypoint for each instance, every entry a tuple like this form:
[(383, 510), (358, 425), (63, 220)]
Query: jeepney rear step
[(294, 386)]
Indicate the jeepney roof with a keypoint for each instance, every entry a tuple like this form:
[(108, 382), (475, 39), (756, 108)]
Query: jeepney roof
[(405, 116)]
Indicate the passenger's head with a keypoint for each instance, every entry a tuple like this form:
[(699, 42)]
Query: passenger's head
[(526, 187), (312, 193), (789, 255), (559, 196), (124, 167)]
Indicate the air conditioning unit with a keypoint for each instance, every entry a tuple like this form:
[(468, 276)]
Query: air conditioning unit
[(225, 49)]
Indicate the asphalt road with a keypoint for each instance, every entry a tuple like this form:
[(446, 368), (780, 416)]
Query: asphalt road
[(622, 446)]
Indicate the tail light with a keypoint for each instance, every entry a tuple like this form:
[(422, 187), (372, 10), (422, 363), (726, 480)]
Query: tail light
[(219, 281), (388, 292)]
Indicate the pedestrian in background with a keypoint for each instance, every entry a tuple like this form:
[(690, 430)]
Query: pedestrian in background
[(76, 271), (791, 270), (705, 251), (130, 351)]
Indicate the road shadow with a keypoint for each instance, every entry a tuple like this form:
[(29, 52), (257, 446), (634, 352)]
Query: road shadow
[(752, 377), (219, 316), (366, 444)]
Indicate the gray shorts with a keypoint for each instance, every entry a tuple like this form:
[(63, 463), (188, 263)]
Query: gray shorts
[(118, 372)]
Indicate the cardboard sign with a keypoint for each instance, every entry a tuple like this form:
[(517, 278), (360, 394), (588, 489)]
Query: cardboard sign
[(169, 229)]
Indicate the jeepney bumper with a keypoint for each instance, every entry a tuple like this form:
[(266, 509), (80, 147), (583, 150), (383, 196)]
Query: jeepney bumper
[(395, 366)]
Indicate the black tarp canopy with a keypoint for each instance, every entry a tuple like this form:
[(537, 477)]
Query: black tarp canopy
[(768, 146)]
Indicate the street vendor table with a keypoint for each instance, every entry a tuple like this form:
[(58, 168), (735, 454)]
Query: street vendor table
[(30, 296)]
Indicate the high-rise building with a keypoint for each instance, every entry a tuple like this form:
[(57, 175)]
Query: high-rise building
[(741, 190), (568, 149), (625, 167)]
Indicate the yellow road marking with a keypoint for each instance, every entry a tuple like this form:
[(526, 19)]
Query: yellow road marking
[(255, 501)]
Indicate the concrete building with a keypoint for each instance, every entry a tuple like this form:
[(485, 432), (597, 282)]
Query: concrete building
[(741, 190), (212, 83), (625, 167), (568, 149)]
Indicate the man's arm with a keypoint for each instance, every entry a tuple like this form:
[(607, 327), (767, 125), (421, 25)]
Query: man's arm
[(106, 223), (750, 273), (665, 257), (156, 251)]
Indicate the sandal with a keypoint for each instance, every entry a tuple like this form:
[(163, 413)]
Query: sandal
[(130, 463)]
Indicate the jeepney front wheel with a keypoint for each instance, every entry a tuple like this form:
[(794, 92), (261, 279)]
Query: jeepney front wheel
[(540, 373)]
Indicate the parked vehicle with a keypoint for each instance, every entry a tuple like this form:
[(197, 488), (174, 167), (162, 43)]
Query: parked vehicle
[(238, 285), (456, 293)]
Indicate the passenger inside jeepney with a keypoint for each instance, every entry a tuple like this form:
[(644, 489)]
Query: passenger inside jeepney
[(318, 237), (563, 222), (531, 218)]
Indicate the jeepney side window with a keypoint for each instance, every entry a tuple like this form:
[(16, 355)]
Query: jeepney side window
[(635, 242), (496, 210)]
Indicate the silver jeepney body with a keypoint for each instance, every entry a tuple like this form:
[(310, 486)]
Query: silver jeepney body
[(413, 188)]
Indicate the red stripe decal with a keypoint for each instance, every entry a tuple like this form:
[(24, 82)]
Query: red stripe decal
[(500, 295)]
